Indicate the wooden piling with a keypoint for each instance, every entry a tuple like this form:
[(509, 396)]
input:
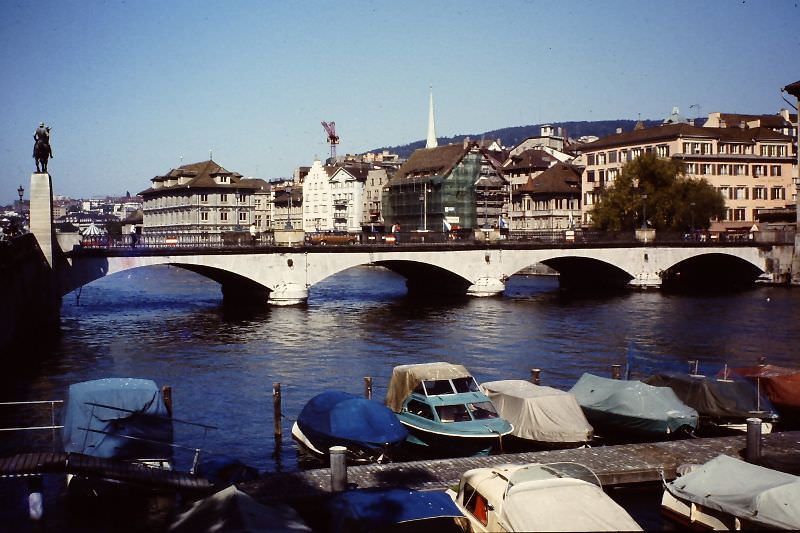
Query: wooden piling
[(616, 371), (536, 376), (276, 409), (368, 387), (338, 468), (166, 394), (753, 449)]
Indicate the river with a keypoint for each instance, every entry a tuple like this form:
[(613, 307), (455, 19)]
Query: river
[(170, 325)]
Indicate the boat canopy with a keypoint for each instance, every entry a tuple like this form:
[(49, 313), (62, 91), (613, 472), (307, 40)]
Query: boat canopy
[(744, 490), (347, 417), (539, 413), (363, 510), (647, 408), (405, 378), (100, 415), (781, 384), (712, 397)]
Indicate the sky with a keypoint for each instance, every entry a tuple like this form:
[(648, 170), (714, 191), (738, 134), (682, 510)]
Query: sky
[(135, 88)]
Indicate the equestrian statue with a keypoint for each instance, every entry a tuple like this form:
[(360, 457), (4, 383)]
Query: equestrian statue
[(41, 150)]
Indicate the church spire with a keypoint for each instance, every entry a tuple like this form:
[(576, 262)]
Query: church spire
[(431, 142)]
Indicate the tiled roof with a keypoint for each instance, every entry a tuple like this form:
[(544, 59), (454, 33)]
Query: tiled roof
[(793, 89), (560, 178), (671, 132), (201, 176), (528, 159), (437, 161)]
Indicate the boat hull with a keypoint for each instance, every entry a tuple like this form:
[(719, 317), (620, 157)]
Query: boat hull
[(430, 442)]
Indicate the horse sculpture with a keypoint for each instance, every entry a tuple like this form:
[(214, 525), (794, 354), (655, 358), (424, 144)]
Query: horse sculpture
[(41, 153)]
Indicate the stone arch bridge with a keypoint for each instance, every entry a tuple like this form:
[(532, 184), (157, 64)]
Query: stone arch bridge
[(285, 276)]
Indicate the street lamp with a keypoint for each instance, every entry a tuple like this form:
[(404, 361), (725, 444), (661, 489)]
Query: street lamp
[(691, 214), (644, 211), (20, 192), (424, 199), (289, 212)]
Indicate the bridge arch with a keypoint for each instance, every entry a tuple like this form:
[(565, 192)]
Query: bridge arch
[(711, 270)]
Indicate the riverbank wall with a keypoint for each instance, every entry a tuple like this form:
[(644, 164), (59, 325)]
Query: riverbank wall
[(29, 299)]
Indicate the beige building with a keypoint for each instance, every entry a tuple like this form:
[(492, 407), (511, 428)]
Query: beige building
[(751, 166), (202, 199)]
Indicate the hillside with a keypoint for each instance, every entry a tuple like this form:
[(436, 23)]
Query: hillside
[(516, 134)]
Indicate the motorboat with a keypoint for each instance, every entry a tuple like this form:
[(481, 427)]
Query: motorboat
[(538, 497), (542, 416), (370, 431), (444, 410), (729, 494), (394, 509), (723, 404), (630, 408), (781, 385)]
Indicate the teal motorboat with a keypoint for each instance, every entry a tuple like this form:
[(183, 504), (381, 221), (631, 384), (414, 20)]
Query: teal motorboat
[(444, 410)]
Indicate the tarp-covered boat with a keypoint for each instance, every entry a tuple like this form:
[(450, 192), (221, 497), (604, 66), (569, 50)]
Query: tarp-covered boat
[(444, 410), (395, 509), (541, 415), (616, 406), (718, 402), (538, 497), (781, 385), (119, 418), (366, 428), (727, 493)]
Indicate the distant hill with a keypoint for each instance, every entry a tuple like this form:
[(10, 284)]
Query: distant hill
[(516, 134)]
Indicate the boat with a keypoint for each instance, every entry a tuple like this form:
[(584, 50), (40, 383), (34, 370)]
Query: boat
[(234, 511), (118, 418), (542, 416), (369, 430), (781, 385), (394, 509), (630, 408), (444, 410), (538, 497), (729, 494), (724, 405)]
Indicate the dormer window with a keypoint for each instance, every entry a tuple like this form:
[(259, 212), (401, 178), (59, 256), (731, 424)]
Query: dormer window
[(223, 179)]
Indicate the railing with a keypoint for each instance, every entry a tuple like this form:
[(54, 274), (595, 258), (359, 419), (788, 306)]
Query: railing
[(52, 427)]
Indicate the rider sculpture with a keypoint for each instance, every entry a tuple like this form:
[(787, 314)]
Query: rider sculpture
[(41, 149)]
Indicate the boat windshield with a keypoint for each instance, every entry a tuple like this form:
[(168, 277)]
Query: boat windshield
[(437, 387), (453, 413), (482, 410), (466, 384)]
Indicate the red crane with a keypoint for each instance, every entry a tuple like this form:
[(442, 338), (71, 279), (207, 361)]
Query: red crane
[(330, 127)]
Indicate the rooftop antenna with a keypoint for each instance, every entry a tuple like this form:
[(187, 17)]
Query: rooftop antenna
[(211, 154)]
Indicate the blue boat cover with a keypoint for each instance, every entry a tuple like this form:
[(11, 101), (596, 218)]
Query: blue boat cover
[(364, 510), (141, 414), (345, 417)]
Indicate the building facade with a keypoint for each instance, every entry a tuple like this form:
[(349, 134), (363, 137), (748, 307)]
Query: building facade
[(550, 201), (751, 167)]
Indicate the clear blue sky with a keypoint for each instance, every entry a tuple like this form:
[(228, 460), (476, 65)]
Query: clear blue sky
[(131, 87)]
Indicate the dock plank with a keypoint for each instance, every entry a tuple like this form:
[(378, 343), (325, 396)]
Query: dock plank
[(614, 465)]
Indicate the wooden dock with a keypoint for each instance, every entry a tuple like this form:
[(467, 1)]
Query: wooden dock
[(614, 465)]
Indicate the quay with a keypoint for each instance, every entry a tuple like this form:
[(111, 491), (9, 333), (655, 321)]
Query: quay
[(617, 465)]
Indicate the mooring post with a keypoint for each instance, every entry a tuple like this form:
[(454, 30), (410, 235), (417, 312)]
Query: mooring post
[(616, 371), (35, 502), (166, 395), (276, 408), (753, 451), (367, 387), (338, 468), (536, 375)]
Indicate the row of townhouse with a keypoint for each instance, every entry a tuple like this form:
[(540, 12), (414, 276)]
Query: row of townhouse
[(750, 159)]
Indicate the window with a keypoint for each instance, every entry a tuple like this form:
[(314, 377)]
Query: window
[(223, 179), (740, 170), (601, 159), (759, 170), (419, 408), (601, 175), (475, 503), (759, 193), (738, 213), (725, 192), (724, 170), (708, 169), (257, 221), (243, 216), (242, 197), (482, 410), (590, 176), (439, 386), (465, 385), (223, 216), (612, 157), (203, 216), (453, 413), (775, 170), (777, 193), (740, 193), (223, 198), (203, 198), (662, 151)]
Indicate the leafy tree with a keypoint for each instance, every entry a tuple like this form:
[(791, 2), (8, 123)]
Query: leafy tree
[(673, 201)]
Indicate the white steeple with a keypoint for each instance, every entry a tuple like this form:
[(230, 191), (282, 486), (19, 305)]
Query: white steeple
[(431, 143)]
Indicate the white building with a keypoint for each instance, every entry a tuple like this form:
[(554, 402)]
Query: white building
[(333, 197)]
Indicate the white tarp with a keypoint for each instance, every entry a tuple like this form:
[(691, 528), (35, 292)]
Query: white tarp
[(743, 490), (539, 413), (564, 505), (406, 377)]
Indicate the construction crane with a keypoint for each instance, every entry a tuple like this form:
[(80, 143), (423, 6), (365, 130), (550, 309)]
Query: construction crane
[(330, 127)]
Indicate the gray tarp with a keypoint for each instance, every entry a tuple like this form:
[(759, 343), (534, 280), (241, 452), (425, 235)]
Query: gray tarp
[(743, 490), (538, 413), (406, 377)]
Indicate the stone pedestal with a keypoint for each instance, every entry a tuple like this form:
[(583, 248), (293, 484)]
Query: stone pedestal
[(645, 235), (41, 195)]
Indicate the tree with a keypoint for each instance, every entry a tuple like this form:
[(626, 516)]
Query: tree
[(658, 187)]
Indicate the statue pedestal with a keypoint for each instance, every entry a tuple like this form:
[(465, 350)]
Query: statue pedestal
[(41, 195), (646, 235)]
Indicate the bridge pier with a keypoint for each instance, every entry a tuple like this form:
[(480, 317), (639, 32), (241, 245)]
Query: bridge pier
[(646, 280), (288, 294), (486, 287)]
